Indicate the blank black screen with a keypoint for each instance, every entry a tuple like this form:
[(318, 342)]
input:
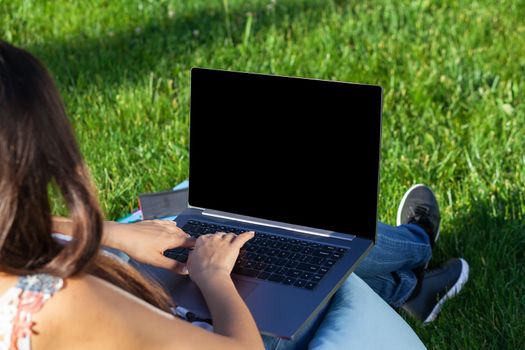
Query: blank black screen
[(287, 149)]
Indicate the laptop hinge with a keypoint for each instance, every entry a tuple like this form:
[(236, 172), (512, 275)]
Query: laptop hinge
[(277, 224)]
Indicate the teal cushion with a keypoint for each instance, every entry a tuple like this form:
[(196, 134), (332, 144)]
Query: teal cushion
[(359, 319)]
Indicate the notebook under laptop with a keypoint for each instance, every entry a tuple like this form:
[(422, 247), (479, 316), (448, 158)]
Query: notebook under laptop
[(260, 145)]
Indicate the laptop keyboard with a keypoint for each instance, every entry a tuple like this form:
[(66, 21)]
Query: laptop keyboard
[(272, 257)]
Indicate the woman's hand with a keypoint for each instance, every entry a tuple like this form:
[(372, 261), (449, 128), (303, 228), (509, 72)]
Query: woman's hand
[(215, 254), (146, 241)]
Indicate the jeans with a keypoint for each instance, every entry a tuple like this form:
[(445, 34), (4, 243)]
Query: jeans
[(387, 269)]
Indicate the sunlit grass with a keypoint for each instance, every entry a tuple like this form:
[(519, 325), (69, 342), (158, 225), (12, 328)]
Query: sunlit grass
[(454, 112)]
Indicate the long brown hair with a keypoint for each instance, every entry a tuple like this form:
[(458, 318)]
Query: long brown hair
[(38, 149)]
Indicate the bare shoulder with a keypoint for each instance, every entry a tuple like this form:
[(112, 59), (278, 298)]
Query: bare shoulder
[(6, 282), (94, 295), (91, 313)]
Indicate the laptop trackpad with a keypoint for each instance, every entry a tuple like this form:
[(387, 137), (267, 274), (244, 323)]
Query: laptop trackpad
[(187, 294), (244, 288)]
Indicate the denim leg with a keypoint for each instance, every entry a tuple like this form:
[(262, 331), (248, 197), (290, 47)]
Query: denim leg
[(388, 267)]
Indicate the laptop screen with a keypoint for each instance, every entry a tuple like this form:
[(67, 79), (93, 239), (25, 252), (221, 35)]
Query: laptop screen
[(293, 150)]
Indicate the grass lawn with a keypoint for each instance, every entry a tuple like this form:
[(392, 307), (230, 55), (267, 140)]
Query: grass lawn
[(454, 110)]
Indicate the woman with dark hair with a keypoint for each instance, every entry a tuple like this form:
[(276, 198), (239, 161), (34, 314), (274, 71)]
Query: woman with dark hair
[(82, 310), (93, 300)]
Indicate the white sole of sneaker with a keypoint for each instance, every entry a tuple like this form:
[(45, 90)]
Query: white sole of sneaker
[(402, 203), (456, 288)]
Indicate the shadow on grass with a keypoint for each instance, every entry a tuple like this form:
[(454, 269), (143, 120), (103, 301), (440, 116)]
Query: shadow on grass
[(163, 45), (488, 313)]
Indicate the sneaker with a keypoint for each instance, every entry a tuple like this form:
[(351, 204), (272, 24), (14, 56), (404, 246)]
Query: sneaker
[(419, 206), (438, 286)]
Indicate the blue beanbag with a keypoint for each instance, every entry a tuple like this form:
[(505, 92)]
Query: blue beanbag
[(359, 319)]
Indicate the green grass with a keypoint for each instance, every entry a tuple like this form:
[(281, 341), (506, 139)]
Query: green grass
[(454, 111)]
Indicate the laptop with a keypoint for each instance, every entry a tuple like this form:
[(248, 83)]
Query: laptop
[(295, 160)]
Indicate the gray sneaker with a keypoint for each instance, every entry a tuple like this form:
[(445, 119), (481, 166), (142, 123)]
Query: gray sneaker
[(438, 286), (419, 206)]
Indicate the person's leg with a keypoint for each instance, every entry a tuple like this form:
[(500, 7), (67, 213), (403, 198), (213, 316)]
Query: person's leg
[(396, 268), (388, 268)]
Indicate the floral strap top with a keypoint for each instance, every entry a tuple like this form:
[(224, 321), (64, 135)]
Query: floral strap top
[(18, 305)]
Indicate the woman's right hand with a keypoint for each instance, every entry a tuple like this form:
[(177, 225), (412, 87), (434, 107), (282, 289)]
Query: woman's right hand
[(214, 255)]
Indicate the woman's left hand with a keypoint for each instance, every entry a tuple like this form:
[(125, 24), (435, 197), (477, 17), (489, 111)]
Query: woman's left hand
[(146, 241)]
